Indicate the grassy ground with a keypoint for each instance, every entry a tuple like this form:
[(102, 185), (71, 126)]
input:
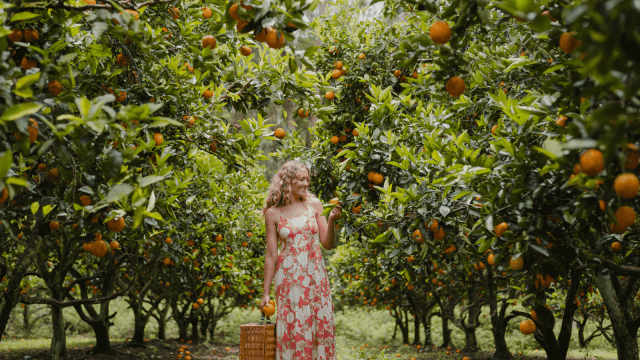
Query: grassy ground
[(359, 335)]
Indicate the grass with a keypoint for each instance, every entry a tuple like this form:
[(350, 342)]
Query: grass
[(359, 334)]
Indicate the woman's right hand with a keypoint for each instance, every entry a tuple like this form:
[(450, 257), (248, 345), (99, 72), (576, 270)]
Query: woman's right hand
[(264, 302)]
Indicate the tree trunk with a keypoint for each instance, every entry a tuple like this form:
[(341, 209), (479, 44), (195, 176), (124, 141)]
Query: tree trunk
[(395, 329), (581, 326), (426, 324), (161, 318), (471, 340), (138, 328), (624, 336), (25, 319), (446, 333), (59, 339), (498, 323), (416, 326), (8, 298), (194, 327), (103, 343)]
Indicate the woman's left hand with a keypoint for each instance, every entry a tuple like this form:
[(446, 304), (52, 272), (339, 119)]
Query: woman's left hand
[(335, 212)]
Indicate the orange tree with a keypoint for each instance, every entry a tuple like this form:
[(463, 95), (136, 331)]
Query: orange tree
[(89, 128)]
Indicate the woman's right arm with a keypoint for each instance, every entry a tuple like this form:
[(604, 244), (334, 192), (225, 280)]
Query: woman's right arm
[(271, 257)]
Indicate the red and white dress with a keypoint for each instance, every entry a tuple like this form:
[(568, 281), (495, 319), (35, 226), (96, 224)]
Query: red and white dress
[(305, 325)]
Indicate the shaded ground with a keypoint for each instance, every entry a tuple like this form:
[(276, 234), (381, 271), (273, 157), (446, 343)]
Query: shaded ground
[(154, 350), (159, 350)]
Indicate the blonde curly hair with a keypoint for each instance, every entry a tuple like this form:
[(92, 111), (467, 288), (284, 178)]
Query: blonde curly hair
[(280, 189)]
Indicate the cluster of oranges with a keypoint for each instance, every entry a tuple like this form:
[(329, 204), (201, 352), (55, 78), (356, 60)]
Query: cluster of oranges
[(269, 35), (183, 350), (626, 185)]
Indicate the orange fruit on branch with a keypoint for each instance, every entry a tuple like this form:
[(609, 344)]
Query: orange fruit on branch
[(501, 228), (209, 41), (157, 137), (626, 185), (568, 43), (245, 50), (15, 35), (616, 246), (273, 40), (455, 86), (206, 12), (516, 264), (527, 327), (55, 87), (280, 133), (592, 162), (633, 156), (116, 225), (440, 32)]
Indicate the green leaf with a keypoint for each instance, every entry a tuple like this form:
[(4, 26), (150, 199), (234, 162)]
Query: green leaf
[(5, 164), (47, 209), (25, 15), (17, 111), (381, 238), (148, 180), (34, 207), (98, 50), (461, 194), (28, 80), (539, 248), (112, 165), (154, 215), (137, 217), (118, 192)]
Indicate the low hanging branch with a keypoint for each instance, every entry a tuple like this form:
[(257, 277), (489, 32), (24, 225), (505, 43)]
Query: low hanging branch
[(63, 6)]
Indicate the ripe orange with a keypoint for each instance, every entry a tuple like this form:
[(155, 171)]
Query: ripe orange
[(53, 175), (262, 35), (85, 200), (4, 196), (208, 94), (355, 132), (280, 133), (592, 162), (440, 32), (329, 95), (335, 140), (455, 86), (174, 12), (31, 35), (99, 248), (342, 138), (233, 12), (501, 228), (121, 96), (439, 234), (516, 264), (121, 60), (166, 261), (269, 310), (561, 121), (616, 246), (54, 225), (626, 216), (15, 35), (273, 40), (527, 327), (417, 236), (336, 73), (116, 225), (114, 245), (28, 63), (213, 146), (209, 41), (302, 114), (218, 237), (245, 50), (361, 56), (338, 65), (602, 205), (240, 25), (157, 137), (206, 12), (568, 43), (493, 129), (626, 185), (633, 156), (490, 260), (195, 306), (55, 87)]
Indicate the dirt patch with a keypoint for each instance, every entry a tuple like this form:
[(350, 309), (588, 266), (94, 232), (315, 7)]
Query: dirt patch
[(158, 349)]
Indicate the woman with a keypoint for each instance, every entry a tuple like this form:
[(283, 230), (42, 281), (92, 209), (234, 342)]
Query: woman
[(305, 326)]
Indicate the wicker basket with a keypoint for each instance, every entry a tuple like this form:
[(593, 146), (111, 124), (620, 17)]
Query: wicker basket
[(258, 341)]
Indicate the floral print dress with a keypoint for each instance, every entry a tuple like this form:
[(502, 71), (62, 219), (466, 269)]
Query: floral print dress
[(304, 325)]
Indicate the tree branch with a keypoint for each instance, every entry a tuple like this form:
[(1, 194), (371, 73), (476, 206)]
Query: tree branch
[(63, 6)]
